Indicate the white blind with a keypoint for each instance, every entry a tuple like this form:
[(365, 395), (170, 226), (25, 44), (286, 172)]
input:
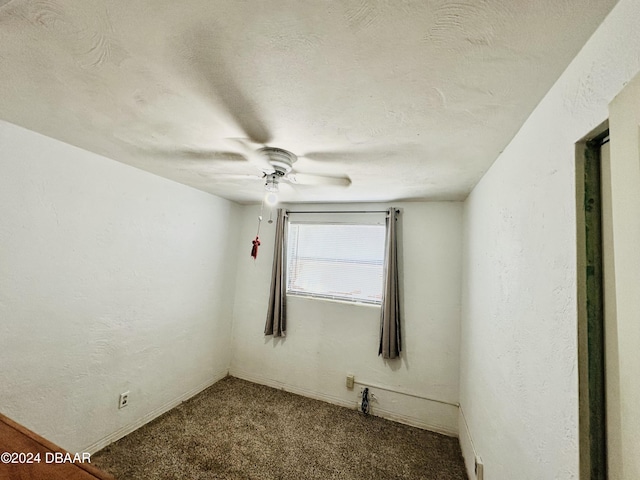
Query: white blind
[(339, 261)]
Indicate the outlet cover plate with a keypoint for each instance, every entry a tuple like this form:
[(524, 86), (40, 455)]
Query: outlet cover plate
[(350, 381), (124, 400)]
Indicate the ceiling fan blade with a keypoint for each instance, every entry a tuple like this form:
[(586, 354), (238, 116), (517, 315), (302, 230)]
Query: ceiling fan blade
[(288, 188), (203, 51), (365, 153), (253, 155), (237, 178), (312, 179), (330, 156), (190, 153)]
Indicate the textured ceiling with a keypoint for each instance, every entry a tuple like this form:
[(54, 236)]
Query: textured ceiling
[(409, 99)]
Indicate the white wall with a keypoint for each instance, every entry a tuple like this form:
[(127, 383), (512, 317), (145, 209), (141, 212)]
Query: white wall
[(519, 375), (326, 340), (622, 278), (111, 279)]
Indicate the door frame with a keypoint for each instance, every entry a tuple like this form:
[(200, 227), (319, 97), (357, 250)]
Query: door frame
[(590, 296)]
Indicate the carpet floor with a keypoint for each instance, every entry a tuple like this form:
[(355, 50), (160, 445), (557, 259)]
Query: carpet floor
[(240, 430)]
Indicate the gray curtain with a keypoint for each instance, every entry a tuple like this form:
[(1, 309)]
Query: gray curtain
[(277, 313), (390, 342)]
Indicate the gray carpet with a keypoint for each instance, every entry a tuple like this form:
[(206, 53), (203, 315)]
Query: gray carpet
[(240, 430)]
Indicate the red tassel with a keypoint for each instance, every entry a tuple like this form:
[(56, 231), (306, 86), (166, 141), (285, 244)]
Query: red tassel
[(254, 249)]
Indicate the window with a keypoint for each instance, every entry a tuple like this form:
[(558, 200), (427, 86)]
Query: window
[(339, 261)]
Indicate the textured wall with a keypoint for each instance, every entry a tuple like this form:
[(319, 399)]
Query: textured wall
[(111, 279), (326, 339), (621, 287), (519, 381)]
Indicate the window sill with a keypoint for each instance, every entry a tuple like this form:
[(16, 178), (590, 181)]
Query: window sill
[(333, 300)]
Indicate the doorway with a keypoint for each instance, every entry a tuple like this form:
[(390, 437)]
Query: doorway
[(591, 324)]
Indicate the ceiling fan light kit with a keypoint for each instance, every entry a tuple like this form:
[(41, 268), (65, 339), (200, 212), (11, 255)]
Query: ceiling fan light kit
[(281, 161), (271, 198), (271, 183)]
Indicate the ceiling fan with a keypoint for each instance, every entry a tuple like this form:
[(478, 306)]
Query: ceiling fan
[(276, 165), (211, 80)]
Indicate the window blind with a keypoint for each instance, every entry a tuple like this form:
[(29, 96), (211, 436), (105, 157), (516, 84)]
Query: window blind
[(341, 261)]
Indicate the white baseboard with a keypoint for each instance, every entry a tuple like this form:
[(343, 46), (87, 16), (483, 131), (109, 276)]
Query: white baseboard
[(379, 412), (127, 429), (290, 388), (414, 421)]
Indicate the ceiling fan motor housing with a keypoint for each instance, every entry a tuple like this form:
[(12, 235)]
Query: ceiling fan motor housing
[(281, 160)]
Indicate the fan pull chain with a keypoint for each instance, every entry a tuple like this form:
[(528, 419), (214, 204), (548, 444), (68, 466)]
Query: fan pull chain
[(260, 217), (256, 242)]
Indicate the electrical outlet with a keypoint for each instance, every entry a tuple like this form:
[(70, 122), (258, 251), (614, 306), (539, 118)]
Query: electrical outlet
[(350, 380), (479, 469), (124, 400)]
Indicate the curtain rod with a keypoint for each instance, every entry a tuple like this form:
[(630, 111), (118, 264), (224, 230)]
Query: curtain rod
[(341, 211)]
